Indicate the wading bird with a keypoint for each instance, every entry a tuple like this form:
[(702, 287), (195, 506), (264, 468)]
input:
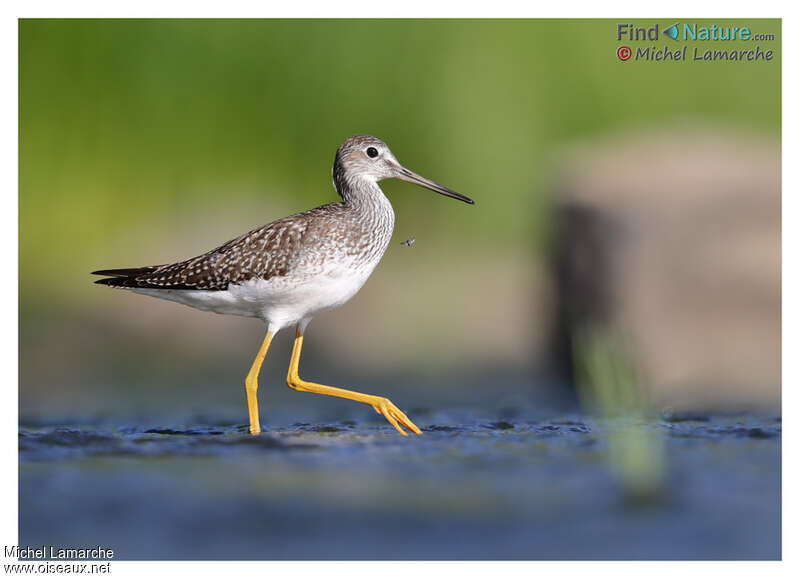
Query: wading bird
[(292, 269)]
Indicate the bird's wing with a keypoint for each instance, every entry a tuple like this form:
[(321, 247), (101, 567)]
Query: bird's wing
[(265, 252)]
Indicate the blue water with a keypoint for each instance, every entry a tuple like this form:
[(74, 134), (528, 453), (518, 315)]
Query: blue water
[(473, 486)]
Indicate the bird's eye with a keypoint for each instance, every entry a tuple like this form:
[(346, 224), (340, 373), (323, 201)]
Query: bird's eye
[(372, 152)]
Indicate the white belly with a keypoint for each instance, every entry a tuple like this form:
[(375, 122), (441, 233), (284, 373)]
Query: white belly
[(280, 301)]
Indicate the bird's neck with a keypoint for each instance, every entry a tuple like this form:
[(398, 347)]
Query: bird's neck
[(365, 197), (372, 216)]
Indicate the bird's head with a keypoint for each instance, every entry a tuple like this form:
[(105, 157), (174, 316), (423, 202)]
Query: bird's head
[(364, 157)]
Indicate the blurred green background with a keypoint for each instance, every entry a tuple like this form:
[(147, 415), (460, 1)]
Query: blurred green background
[(147, 141)]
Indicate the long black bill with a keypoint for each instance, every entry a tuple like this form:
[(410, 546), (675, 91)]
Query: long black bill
[(412, 177)]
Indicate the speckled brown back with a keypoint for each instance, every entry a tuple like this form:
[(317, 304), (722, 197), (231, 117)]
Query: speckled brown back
[(265, 252)]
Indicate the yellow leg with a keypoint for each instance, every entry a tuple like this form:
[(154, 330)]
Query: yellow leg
[(251, 384), (381, 405)]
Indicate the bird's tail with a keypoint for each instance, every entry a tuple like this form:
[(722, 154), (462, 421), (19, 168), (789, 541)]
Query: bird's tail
[(125, 277)]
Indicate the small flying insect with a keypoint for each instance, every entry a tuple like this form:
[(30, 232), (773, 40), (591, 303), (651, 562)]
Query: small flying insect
[(408, 242)]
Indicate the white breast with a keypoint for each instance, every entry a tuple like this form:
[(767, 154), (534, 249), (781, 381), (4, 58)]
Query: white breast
[(280, 301)]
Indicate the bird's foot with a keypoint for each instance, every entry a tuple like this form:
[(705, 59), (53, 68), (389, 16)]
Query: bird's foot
[(395, 416)]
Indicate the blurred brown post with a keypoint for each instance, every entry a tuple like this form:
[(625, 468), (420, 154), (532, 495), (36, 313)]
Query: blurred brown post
[(674, 238)]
